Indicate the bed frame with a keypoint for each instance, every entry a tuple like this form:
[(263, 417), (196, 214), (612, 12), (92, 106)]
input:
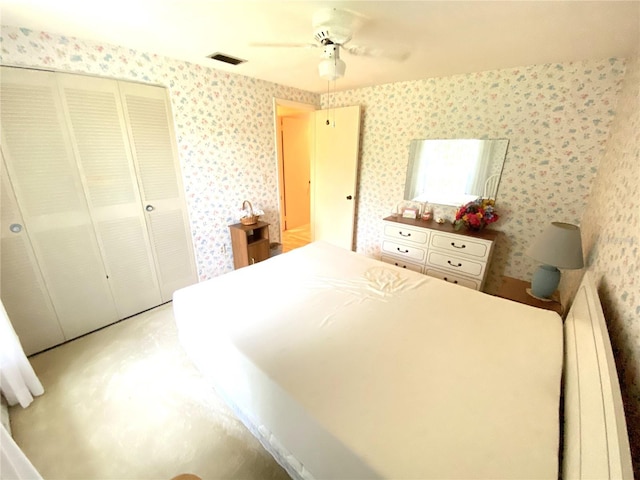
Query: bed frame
[(596, 444)]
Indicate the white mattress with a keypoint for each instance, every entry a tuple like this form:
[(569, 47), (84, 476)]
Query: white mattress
[(351, 368)]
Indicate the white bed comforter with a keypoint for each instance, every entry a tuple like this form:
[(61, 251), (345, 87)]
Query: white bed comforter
[(352, 368)]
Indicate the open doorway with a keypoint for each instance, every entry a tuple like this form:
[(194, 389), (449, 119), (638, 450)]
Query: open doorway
[(294, 147), (326, 189)]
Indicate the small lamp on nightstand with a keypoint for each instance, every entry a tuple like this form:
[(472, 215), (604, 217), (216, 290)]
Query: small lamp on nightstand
[(559, 246)]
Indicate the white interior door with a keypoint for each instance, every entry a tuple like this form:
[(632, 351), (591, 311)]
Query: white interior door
[(44, 175), (334, 175), (155, 154), (22, 288), (296, 153), (101, 144)]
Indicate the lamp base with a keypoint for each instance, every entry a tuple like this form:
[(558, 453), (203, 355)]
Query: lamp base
[(530, 293), (545, 281)]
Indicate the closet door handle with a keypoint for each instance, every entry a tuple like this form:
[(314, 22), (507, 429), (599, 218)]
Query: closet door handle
[(15, 228), (149, 208)]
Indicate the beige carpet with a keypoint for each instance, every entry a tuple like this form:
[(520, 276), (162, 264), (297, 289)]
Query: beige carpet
[(126, 403)]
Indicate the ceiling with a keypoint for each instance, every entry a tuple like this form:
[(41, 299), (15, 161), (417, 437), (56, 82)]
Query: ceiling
[(442, 38)]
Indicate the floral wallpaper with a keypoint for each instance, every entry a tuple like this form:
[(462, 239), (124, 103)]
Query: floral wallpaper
[(224, 125), (556, 117), (611, 238)]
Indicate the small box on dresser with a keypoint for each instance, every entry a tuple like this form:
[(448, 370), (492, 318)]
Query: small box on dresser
[(438, 250)]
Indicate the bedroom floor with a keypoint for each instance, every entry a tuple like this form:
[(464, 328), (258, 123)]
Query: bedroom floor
[(126, 402), (296, 237)]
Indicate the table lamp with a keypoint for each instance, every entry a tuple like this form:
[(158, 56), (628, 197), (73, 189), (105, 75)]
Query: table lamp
[(559, 246)]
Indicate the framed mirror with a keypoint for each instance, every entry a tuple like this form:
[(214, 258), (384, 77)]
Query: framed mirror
[(454, 172)]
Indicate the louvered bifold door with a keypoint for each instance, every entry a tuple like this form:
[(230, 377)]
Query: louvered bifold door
[(101, 142), (24, 294), (44, 175), (156, 158)]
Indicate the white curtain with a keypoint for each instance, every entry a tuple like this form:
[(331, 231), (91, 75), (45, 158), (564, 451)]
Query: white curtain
[(18, 381), (482, 167), (13, 463)]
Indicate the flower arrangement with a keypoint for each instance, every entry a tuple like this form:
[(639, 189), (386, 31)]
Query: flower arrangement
[(476, 215)]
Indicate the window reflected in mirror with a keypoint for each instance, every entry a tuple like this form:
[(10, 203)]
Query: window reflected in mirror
[(454, 172)]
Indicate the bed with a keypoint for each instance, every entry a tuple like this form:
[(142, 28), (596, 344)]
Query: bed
[(346, 367)]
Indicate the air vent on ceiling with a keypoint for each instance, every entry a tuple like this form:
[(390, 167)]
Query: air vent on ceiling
[(221, 57)]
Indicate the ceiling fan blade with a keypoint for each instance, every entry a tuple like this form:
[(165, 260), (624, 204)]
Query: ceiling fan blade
[(283, 44), (398, 53), (340, 17)]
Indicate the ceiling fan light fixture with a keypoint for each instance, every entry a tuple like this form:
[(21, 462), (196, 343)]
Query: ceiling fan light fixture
[(331, 68), (332, 34)]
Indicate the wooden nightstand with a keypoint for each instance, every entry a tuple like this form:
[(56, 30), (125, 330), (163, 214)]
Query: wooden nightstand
[(250, 243), (516, 290)]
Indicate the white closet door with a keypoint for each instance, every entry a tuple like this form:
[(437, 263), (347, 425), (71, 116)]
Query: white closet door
[(156, 158), (24, 294), (100, 140), (44, 175)]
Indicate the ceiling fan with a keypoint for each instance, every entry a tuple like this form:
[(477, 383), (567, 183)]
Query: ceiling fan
[(333, 28)]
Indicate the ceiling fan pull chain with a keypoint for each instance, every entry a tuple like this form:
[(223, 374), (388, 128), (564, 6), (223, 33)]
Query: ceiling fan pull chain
[(334, 108), (328, 102)]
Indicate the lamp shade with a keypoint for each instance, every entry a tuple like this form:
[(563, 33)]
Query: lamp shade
[(560, 245)]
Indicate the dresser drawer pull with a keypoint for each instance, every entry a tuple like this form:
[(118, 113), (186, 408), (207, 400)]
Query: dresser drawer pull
[(458, 265), (398, 265), (453, 244), (403, 234), (447, 280), (402, 251)]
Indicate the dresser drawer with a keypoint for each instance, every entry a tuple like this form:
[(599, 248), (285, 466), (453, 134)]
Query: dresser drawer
[(452, 263), (406, 234), (461, 244), (416, 254), (453, 278), (438, 250), (402, 263)]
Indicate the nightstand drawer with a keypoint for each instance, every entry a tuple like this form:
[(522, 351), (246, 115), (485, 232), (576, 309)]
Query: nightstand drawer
[(402, 264), (405, 234), (452, 278), (460, 244), (403, 250), (456, 264)]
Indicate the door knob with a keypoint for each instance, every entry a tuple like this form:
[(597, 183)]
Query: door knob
[(149, 208), (349, 197), (15, 227)]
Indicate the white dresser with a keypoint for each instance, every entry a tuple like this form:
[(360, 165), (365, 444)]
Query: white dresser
[(438, 250)]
